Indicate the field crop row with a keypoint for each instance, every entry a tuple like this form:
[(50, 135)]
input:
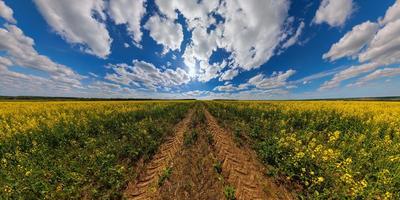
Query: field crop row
[(333, 150), (75, 150)]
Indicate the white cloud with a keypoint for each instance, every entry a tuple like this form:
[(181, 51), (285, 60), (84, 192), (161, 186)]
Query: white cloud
[(371, 42), (126, 45), (20, 51), (76, 23), (392, 14), (196, 12), (195, 93), (231, 87), (353, 41), (128, 12), (348, 73), (333, 12), (6, 12), (104, 86), (208, 72), (165, 32), (385, 46), (16, 83), (380, 73), (276, 80), (319, 75), (147, 75), (227, 88), (251, 30), (229, 75), (294, 39), (93, 74), (374, 45)]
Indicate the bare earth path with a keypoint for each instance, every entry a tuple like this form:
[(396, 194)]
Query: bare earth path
[(193, 175), (241, 167), (145, 185), (192, 172)]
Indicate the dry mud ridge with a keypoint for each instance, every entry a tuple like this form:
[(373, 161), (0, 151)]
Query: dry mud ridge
[(146, 184), (192, 172), (241, 167)]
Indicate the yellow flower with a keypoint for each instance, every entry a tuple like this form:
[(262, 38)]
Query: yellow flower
[(388, 195), (28, 173), (7, 189)]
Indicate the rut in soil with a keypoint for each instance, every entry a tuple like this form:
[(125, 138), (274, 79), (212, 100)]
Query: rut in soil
[(146, 184), (202, 161), (241, 167)]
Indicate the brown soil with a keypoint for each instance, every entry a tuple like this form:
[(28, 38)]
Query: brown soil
[(193, 175), (241, 167), (145, 186)]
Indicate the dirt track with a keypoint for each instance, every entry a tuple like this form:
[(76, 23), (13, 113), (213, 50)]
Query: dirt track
[(145, 186), (241, 167), (193, 173), (194, 176)]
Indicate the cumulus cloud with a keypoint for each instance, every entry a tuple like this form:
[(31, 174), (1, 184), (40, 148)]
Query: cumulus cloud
[(375, 45), (129, 12), (276, 80), (75, 21), (147, 75), (165, 32), (208, 72), (195, 12), (6, 12), (371, 42), (380, 73), (15, 83), (333, 12), (19, 49), (231, 87), (229, 75), (385, 46), (353, 41), (250, 31), (392, 14)]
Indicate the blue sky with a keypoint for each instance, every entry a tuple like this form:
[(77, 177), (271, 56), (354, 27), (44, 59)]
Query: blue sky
[(256, 49)]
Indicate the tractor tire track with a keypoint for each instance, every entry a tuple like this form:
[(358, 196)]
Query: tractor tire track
[(145, 186), (241, 168)]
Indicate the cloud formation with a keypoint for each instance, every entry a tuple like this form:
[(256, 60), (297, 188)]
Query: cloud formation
[(165, 32), (145, 74), (277, 79), (129, 12), (78, 22), (348, 73), (352, 42), (19, 50), (374, 44), (333, 12), (6, 12), (380, 73), (250, 31)]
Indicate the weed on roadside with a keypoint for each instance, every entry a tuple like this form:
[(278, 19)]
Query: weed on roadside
[(190, 138), (229, 192), (218, 167), (166, 173)]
